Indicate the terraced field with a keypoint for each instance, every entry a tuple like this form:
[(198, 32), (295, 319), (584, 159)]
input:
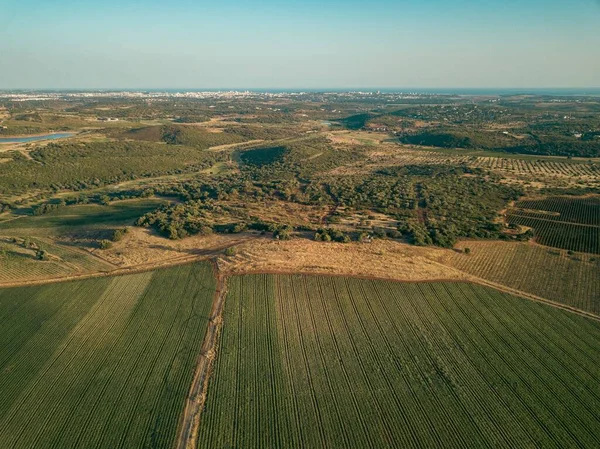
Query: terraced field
[(336, 362), (572, 224), (101, 363)]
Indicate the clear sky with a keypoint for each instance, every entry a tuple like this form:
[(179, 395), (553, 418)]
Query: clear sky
[(295, 44)]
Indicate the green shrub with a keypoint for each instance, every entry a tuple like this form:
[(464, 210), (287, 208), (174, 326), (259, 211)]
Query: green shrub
[(105, 244), (118, 234)]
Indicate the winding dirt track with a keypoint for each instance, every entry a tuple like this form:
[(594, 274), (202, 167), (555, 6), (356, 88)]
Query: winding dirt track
[(187, 435), (209, 254)]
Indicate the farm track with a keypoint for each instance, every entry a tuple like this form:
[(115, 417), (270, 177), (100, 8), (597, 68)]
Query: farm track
[(307, 361), (537, 218), (187, 436), (140, 268), (216, 251), (119, 351)]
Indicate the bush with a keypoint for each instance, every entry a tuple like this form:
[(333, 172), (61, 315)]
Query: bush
[(105, 244), (283, 233), (329, 235), (42, 254), (118, 234), (467, 251)]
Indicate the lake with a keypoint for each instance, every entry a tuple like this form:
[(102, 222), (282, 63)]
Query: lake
[(34, 138)]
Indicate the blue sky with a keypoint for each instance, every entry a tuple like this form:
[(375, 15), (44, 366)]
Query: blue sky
[(311, 44)]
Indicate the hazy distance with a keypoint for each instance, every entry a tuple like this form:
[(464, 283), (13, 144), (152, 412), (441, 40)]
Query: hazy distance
[(349, 44)]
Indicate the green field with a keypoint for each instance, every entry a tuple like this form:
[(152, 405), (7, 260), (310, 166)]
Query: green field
[(336, 362), (570, 279), (567, 223), (101, 363), (86, 216), (19, 264)]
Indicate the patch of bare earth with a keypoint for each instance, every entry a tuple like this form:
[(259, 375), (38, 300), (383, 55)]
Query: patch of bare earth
[(229, 146), (379, 259), (285, 212), (141, 246)]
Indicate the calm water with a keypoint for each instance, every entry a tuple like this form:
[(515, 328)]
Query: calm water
[(34, 138)]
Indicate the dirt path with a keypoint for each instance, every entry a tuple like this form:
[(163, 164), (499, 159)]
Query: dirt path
[(208, 254), (229, 146), (189, 425), (531, 297)]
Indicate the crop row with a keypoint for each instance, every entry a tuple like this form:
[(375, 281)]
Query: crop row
[(574, 210), (522, 166), (551, 274), (335, 362), (19, 268), (119, 376), (571, 236), (537, 167)]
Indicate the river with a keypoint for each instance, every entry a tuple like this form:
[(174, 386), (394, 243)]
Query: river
[(34, 138)]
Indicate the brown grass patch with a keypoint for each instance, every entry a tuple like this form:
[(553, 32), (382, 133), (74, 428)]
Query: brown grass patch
[(383, 259), (142, 246)]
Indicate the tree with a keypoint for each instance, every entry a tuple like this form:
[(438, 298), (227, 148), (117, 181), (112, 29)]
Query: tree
[(42, 254), (105, 244), (118, 234)]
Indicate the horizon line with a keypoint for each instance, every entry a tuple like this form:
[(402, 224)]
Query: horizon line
[(296, 88)]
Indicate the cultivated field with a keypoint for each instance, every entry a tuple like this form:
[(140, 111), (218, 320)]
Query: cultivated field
[(336, 362), (101, 363), (572, 224), (551, 274), (78, 218), (524, 168), (573, 210), (20, 264)]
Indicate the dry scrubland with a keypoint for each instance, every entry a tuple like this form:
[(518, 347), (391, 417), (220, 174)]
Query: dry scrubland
[(309, 361), (383, 259), (101, 363)]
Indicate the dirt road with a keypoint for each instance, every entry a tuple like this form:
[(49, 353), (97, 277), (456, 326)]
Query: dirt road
[(187, 437)]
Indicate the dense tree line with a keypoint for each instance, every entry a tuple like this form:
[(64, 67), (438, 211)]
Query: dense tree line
[(433, 204)]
